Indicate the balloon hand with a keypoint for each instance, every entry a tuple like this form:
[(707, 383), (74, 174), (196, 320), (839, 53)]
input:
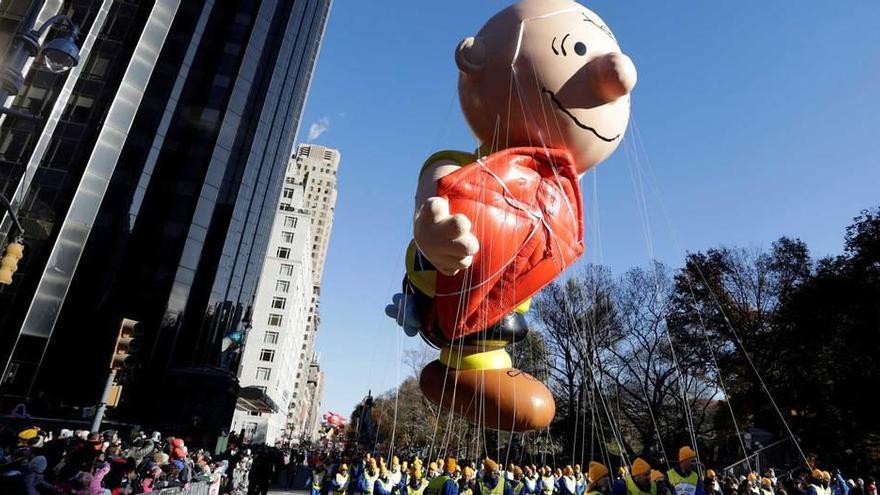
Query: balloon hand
[(403, 310)]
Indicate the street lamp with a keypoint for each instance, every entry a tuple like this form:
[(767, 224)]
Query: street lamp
[(60, 53)]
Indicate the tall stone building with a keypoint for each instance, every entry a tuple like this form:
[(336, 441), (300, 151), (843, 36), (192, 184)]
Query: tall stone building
[(316, 175), (271, 368)]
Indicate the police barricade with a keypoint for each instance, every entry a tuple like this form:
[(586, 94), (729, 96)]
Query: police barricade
[(198, 488)]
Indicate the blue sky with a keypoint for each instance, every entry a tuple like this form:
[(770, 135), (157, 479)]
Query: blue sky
[(754, 120)]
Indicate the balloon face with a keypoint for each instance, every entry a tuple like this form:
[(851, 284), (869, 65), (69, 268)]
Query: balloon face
[(547, 73)]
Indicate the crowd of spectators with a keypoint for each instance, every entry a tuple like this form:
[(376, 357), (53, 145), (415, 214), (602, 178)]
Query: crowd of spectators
[(37, 462)]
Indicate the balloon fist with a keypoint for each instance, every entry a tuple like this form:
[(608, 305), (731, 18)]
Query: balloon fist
[(445, 239)]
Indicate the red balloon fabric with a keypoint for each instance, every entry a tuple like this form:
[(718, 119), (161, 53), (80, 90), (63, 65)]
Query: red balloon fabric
[(525, 208)]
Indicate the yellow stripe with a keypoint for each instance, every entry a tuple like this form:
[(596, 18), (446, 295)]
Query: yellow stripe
[(489, 360)]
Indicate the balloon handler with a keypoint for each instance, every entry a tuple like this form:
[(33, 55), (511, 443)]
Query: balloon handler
[(545, 89)]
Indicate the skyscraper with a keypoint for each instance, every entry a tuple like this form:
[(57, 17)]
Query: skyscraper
[(317, 169), (148, 192), (270, 371)]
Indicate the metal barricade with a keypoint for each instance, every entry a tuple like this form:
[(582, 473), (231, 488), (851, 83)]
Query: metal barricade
[(198, 488)]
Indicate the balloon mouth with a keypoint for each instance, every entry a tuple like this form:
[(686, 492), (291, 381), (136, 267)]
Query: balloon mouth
[(574, 119)]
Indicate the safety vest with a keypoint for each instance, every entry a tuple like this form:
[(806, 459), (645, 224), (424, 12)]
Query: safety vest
[(341, 482), (633, 489), (371, 481), (498, 490), (435, 487), (570, 484), (411, 490), (517, 486), (765, 491), (386, 485), (531, 484), (683, 485), (548, 484), (318, 480)]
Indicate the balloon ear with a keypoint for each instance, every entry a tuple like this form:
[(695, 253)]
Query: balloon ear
[(470, 56)]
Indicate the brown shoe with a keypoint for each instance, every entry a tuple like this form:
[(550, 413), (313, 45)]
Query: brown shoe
[(502, 399)]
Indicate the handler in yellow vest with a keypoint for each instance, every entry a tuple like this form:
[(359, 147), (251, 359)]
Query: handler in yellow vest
[(600, 482), (683, 479), (444, 484), (415, 483), (547, 481), (517, 484), (339, 483), (491, 482), (369, 477), (638, 482)]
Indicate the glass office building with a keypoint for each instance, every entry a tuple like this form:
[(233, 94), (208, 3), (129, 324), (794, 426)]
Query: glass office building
[(146, 191)]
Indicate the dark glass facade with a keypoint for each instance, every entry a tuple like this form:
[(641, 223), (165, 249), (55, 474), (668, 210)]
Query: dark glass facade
[(182, 190)]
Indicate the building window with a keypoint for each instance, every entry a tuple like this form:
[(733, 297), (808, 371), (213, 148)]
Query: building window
[(290, 222), (275, 320), (279, 302), (264, 373), (267, 355), (286, 236), (288, 193), (282, 286), (286, 270), (283, 252), (270, 338)]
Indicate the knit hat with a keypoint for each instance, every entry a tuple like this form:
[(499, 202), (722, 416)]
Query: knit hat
[(710, 474), (817, 474), (467, 472), (766, 482), (752, 477), (28, 434), (656, 475), (489, 465), (450, 465), (517, 471), (826, 475), (343, 467), (596, 471), (686, 453), (432, 466), (640, 467)]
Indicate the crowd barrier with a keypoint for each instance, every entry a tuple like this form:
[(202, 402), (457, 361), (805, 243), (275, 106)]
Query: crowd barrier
[(198, 488)]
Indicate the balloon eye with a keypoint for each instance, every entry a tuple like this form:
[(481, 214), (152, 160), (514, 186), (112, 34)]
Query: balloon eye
[(580, 48)]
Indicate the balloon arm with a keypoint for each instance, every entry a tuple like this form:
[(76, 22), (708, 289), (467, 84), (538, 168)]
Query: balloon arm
[(427, 186)]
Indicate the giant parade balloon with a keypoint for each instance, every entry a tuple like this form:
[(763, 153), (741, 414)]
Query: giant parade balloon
[(545, 88)]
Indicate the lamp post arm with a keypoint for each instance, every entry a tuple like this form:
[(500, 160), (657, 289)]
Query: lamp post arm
[(55, 20)]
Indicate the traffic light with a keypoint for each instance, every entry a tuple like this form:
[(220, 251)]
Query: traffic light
[(127, 345), (9, 262)]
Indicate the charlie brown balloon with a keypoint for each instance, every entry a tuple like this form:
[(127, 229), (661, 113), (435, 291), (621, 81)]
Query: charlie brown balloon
[(546, 89)]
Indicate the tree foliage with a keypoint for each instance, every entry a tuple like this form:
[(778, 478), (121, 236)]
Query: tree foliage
[(772, 342)]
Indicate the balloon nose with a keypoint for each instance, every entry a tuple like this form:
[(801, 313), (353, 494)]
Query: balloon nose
[(612, 75)]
